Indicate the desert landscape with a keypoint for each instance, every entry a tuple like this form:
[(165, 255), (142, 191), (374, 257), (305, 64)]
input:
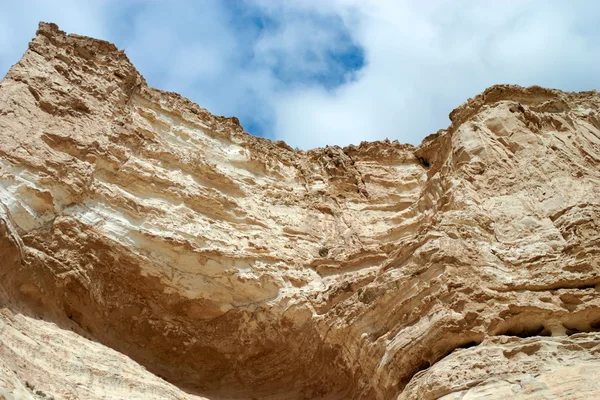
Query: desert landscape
[(152, 250)]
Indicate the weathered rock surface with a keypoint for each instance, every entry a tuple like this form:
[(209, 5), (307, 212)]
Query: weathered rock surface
[(152, 250)]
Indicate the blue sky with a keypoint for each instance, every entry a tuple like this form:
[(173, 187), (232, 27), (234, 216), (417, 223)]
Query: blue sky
[(314, 72)]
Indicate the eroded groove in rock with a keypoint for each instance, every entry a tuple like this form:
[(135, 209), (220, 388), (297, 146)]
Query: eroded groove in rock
[(137, 229)]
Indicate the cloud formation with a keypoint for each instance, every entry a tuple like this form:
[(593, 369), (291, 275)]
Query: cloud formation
[(314, 73)]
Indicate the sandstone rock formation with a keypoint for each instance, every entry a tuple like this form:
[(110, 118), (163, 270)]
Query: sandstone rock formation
[(150, 249)]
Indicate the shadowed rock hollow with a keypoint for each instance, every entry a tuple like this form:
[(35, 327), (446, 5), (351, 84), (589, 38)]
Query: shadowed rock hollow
[(150, 249)]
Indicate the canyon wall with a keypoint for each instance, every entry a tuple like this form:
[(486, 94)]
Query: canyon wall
[(153, 250)]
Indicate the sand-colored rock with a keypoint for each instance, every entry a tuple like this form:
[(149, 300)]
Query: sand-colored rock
[(153, 250)]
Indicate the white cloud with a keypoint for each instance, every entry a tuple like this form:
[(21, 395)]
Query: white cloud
[(422, 59)]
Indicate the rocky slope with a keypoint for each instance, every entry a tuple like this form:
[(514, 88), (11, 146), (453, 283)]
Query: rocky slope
[(153, 250)]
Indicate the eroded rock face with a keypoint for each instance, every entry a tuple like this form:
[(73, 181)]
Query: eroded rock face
[(137, 228)]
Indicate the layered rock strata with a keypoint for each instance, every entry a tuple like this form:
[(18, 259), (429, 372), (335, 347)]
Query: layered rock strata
[(150, 249)]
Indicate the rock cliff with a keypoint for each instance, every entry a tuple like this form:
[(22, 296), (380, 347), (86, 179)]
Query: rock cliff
[(150, 249)]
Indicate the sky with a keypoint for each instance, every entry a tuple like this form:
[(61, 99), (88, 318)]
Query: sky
[(335, 72)]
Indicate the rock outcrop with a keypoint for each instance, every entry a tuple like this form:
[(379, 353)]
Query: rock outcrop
[(150, 249)]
